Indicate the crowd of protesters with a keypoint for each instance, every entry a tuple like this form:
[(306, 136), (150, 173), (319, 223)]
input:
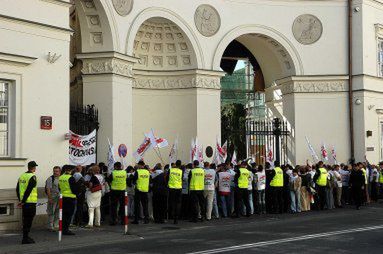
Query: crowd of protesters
[(300, 189)]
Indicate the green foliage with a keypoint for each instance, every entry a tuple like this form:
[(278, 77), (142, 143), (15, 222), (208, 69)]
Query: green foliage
[(233, 122)]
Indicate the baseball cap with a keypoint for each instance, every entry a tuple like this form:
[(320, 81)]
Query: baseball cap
[(32, 164)]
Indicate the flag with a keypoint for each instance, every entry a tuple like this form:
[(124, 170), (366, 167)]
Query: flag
[(194, 150), (173, 152), (324, 152), (200, 154), (221, 152), (270, 155), (111, 159), (141, 150), (157, 142), (333, 154), (312, 151), (234, 158)]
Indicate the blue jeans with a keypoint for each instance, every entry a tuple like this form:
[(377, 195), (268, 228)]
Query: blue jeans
[(215, 206), (225, 205), (295, 205), (251, 203), (261, 201)]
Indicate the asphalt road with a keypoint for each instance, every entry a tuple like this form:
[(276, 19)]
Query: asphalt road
[(341, 231)]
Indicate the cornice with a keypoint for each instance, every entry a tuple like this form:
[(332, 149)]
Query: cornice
[(19, 59)]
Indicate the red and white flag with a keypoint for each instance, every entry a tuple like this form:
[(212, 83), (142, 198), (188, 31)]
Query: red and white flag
[(200, 153), (194, 150), (270, 155), (221, 152), (333, 154), (157, 142), (141, 150), (234, 159), (324, 152)]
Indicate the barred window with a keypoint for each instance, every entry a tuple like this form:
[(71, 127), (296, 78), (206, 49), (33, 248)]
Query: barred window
[(4, 119), (380, 57)]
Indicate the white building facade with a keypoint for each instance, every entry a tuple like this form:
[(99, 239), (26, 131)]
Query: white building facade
[(156, 64)]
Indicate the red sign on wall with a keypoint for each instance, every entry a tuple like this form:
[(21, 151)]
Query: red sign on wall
[(46, 123)]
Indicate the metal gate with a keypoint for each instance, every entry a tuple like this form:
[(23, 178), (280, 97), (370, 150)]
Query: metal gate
[(267, 139), (84, 119)]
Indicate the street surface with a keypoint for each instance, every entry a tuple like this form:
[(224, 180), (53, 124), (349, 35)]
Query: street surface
[(337, 231)]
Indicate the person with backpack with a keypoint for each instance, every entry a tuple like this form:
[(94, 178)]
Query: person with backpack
[(53, 193)]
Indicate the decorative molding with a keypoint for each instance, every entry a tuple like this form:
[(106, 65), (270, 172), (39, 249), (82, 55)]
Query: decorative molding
[(314, 86), (23, 60), (59, 2), (307, 29), (379, 30), (207, 20), (182, 80), (107, 63), (123, 7)]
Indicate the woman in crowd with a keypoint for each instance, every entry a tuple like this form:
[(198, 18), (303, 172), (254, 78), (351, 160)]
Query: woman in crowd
[(93, 196)]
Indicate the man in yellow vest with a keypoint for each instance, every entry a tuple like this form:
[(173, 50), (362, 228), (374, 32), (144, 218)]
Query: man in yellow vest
[(174, 179), (26, 191), (381, 179), (241, 180), (196, 189), (141, 180), (68, 190), (118, 184), (320, 180), (276, 187)]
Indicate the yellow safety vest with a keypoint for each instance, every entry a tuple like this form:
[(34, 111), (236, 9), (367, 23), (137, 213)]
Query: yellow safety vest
[(175, 178), (381, 176), (365, 175), (65, 186), (119, 180), (243, 180), (23, 184), (278, 178), (322, 179), (197, 181), (142, 183)]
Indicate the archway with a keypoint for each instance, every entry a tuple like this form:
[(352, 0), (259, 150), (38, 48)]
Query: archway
[(272, 58)]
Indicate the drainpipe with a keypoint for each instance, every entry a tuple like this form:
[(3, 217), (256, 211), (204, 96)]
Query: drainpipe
[(350, 88)]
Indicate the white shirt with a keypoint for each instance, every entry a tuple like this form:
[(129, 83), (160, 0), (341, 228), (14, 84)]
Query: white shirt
[(261, 180), (338, 178), (209, 179), (251, 179), (232, 175), (224, 180)]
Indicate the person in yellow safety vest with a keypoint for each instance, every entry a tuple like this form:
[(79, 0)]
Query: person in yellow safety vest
[(141, 180), (362, 166), (26, 191), (241, 180), (320, 180), (118, 184), (196, 189), (381, 179), (374, 183), (276, 188), (68, 189), (174, 182)]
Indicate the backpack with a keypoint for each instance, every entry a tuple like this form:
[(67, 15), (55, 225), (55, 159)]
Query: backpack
[(46, 188)]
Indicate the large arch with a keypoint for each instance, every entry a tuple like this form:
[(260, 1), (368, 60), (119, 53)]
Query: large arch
[(271, 48), (155, 12), (98, 31)]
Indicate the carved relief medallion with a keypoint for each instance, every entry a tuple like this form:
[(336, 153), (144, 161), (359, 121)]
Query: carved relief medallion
[(307, 29), (207, 20), (123, 7)]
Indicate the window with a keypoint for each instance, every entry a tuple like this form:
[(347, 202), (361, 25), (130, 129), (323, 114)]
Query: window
[(4, 119), (380, 57)]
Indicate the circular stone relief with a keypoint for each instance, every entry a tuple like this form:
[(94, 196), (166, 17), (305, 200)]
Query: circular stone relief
[(207, 20), (307, 29), (123, 7)]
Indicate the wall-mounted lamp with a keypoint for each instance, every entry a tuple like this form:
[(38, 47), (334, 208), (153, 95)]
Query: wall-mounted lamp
[(358, 102)]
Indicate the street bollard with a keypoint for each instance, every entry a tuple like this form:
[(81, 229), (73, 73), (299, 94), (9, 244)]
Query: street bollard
[(126, 219), (60, 217)]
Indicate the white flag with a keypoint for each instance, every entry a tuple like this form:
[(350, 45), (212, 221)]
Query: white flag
[(324, 152), (157, 142), (111, 159), (333, 153), (173, 152), (234, 158), (141, 150), (312, 151)]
